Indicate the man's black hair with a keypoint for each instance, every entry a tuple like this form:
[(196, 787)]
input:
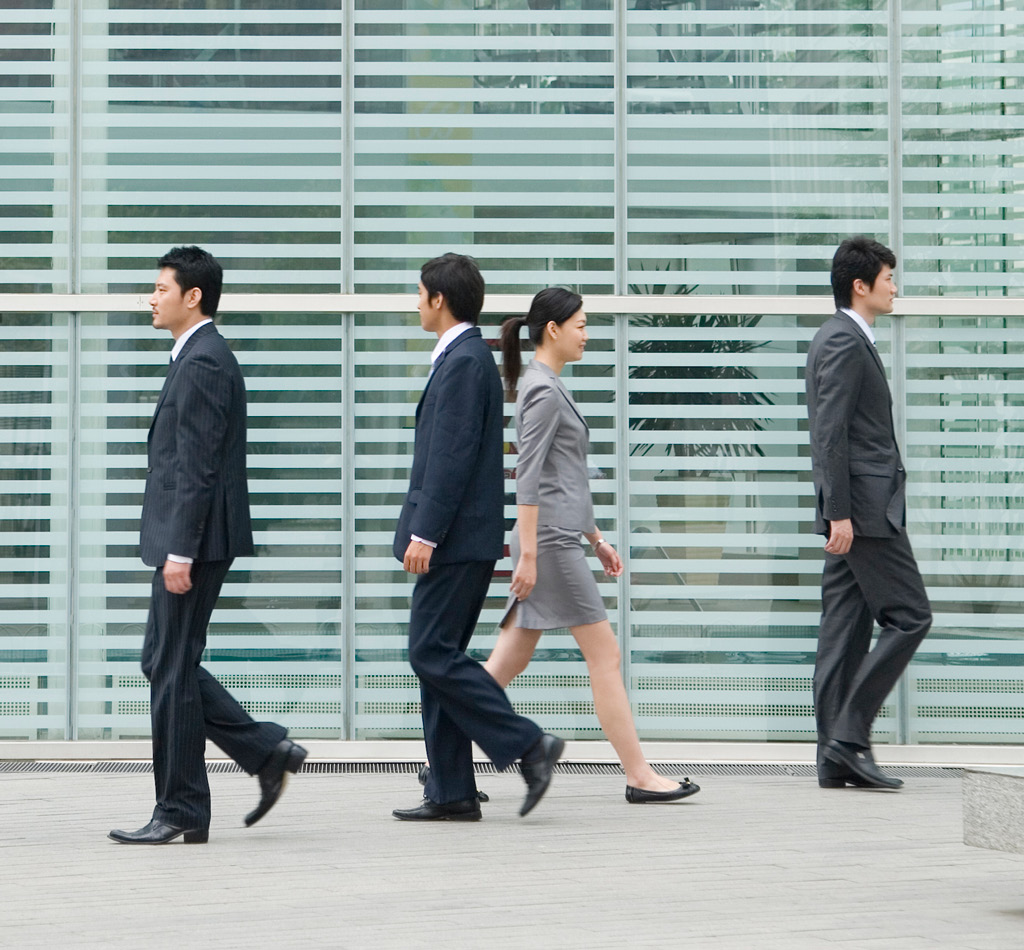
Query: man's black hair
[(458, 278), (857, 258), (194, 267)]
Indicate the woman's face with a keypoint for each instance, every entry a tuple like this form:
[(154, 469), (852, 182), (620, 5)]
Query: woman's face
[(569, 339)]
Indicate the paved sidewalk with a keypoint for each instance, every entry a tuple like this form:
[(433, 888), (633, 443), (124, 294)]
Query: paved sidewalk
[(749, 863)]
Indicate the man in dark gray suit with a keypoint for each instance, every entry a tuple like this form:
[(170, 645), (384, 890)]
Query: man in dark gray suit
[(870, 573), (450, 534), (195, 521)]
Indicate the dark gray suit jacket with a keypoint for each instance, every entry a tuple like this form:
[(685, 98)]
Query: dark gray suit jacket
[(457, 485), (197, 498), (858, 472)]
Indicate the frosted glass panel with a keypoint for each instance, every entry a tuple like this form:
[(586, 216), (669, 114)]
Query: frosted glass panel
[(35, 133), (35, 480)]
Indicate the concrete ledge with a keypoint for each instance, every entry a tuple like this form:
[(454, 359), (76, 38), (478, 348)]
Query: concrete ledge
[(993, 804), (411, 750)]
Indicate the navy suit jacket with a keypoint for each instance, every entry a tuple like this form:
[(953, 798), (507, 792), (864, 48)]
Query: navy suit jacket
[(457, 483), (197, 498), (858, 472)]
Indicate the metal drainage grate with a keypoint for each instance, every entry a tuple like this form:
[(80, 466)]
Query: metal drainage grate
[(485, 768)]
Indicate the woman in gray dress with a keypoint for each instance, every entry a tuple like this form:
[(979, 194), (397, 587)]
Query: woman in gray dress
[(552, 585)]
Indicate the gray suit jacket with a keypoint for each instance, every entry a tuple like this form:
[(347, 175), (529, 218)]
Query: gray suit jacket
[(858, 472), (553, 439), (197, 497)]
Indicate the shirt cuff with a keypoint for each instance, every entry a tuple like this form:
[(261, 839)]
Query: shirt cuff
[(178, 559), (429, 544)]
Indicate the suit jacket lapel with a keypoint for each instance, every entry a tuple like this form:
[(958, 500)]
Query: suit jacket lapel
[(189, 343), (871, 346), (572, 402), (433, 372), (461, 338), (546, 370)]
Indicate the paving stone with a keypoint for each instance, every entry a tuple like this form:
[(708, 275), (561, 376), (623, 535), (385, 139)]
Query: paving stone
[(752, 863)]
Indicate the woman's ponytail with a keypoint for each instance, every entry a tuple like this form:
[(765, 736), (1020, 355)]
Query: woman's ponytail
[(511, 354)]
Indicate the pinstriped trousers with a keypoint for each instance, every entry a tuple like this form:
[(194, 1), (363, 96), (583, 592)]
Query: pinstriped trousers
[(187, 705), (878, 581)]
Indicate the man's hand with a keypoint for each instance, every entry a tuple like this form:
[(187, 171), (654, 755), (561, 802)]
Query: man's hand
[(840, 537), (417, 557), (177, 577)]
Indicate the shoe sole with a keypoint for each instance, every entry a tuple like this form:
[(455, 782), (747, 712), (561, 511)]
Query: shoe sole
[(189, 837), (558, 749), (470, 816), (296, 756), (668, 799)]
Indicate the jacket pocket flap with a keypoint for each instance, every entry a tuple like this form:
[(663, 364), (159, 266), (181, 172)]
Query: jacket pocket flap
[(884, 469)]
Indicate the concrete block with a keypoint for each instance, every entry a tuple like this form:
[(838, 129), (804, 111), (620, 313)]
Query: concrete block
[(993, 808)]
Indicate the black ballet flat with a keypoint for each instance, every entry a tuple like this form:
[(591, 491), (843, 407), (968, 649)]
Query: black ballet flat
[(641, 796)]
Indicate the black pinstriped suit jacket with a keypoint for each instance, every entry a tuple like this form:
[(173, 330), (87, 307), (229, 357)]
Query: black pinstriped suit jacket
[(197, 499), (857, 468)]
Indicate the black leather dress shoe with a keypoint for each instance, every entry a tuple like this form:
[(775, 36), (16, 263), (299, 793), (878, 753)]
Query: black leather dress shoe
[(424, 774), (286, 757), (861, 763), (538, 765), (641, 796), (466, 810), (831, 775), (160, 832)]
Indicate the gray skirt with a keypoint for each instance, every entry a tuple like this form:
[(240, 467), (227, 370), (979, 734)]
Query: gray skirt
[(566, 593)]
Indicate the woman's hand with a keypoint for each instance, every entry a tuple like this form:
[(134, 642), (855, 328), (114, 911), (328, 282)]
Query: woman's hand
[(609, 558), (524, 578)]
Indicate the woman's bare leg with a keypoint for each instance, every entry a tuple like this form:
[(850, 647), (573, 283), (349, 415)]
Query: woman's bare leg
[(601, 651), (511, 653)]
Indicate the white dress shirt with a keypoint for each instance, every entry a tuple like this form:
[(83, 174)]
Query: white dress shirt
[(861, 322), (452, 333), (184, 338), (178, 344)]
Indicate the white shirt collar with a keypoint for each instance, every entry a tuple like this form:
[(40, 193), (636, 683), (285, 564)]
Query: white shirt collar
[(861, 322), (183, 339), (447, 337)]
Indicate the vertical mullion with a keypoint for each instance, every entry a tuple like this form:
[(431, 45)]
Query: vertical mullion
[(348, 546), (621, 204), (621, 382), (74, 359), (347, 146), (348, 532), (898, 323)]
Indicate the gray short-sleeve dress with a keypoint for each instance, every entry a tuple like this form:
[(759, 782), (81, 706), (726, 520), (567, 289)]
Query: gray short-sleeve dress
[(551, 472)]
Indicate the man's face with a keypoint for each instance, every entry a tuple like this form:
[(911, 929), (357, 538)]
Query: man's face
[(430, 313), (172, 310), (878, 298)]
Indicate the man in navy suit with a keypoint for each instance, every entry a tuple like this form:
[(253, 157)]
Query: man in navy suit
[(195, 521), (450, 534), (870, 573)]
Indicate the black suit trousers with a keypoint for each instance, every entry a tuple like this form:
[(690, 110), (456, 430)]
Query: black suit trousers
[(187, 705), (461, 702), (877, 581)]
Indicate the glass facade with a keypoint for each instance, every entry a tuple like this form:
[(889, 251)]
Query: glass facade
[(665, 151)]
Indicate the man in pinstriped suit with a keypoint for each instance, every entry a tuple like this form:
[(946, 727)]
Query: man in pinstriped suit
[(870, 574), (195, 521)]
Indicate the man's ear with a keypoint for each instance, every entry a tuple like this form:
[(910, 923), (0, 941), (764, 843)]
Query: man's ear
[(193, 297)]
